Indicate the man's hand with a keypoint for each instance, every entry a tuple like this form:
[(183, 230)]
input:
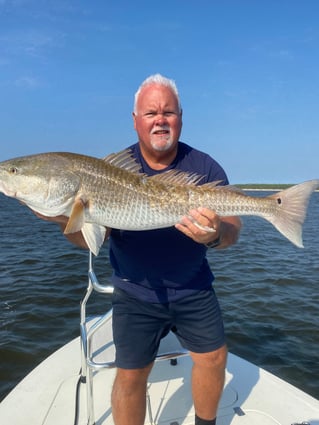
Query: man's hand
[(60, 219), (204, 226)]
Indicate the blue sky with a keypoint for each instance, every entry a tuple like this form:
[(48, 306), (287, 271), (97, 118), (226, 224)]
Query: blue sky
[(247, 72)]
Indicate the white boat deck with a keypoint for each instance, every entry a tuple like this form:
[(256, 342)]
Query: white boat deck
[(251, 396)]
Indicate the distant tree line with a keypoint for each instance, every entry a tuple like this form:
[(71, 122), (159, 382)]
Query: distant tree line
[(264, 186)]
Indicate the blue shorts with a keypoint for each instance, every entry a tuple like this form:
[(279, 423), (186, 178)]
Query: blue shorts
[(138, 326)]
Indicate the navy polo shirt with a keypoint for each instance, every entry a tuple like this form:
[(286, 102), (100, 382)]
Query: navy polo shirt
[(164, 265)]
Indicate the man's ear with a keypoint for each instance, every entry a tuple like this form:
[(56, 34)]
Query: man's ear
[(134, 119)]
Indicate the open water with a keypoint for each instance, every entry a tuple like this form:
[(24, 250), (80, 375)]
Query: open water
[(268, 290)]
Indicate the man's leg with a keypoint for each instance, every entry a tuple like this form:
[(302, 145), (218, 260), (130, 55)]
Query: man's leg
[(208, 377), (129, 396)]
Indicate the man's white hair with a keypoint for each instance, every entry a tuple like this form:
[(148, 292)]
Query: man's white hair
[(161, 80)]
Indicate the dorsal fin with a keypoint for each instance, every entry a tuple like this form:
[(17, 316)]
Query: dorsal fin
[(229, 187), (123, 159), (177, 177)]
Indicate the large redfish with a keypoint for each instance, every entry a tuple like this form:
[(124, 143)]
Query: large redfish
[(98, 193)]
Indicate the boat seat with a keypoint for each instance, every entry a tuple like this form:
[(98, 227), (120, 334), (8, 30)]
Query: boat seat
[(97, 347)]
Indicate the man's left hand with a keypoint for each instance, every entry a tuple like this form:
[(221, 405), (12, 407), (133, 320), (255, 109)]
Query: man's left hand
[(202, 225)]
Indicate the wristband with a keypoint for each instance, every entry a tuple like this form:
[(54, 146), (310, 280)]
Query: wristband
[(214, 243)]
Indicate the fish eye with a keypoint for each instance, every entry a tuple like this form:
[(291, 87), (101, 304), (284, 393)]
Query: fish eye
[(13, 170)]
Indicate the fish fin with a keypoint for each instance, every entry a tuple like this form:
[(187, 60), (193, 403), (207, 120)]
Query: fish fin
[(124, 159), (76, 219), (216, 185), (291, 210), (94, 236), (93, 233), (177, 177)]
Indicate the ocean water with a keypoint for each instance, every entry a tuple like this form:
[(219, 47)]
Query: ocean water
[(268, 290)]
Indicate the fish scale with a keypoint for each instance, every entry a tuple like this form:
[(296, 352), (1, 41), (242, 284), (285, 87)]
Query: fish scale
[(111, 192)]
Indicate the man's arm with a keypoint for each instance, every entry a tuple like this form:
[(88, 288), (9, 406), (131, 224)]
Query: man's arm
[(75, 238), (226, 229)]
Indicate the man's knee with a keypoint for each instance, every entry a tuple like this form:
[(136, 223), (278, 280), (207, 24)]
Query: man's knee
[(216, 358), (132, 378)]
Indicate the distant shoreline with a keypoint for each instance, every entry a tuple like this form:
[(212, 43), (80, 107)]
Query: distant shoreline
[(265, 187), (261, 189)]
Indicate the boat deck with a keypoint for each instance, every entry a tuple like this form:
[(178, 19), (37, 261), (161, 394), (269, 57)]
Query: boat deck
[(52, 394)]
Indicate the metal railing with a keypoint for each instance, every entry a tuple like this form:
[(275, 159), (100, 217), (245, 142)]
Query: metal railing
[(88, 329)]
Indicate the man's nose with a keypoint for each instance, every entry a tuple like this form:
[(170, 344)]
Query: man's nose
[(160, 118)]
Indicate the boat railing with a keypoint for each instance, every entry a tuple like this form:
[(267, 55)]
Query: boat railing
[(98, 352)]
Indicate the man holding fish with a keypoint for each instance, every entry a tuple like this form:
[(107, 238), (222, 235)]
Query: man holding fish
[(162, 279), (162, 203)]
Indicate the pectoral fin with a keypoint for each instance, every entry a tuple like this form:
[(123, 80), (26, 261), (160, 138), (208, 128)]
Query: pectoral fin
[(76, 219), (94, 236)]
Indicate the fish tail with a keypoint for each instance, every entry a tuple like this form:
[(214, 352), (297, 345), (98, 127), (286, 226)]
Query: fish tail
[(291, 210)]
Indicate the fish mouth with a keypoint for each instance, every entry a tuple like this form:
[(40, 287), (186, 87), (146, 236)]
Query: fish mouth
[(7, 192)]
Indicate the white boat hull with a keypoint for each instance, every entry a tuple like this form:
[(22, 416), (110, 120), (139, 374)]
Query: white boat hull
[(251, 396)]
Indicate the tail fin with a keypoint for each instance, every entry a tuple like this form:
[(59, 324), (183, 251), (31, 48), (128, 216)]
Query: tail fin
[(292, 209)]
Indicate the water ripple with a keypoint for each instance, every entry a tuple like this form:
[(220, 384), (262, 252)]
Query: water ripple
[(268, 291)]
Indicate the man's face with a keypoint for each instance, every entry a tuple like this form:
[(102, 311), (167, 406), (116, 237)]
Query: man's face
[(158, 119)]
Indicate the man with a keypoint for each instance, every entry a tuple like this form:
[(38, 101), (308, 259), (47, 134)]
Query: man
[(161, 277)]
